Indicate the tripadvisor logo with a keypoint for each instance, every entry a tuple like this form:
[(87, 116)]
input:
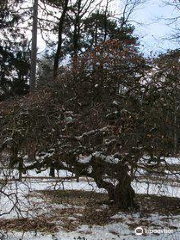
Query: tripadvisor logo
[(139, 231)]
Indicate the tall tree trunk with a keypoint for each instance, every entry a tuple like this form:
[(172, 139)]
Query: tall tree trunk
[(76, 34), (34, 47), (105, 20), (60, 32), (175, 128)]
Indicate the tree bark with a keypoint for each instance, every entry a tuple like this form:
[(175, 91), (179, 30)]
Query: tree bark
[(60, 32), (34, 47), (124, 194), (76, 34)]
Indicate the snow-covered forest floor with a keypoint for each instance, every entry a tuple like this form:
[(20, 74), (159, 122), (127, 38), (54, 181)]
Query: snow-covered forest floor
[(46, 208)]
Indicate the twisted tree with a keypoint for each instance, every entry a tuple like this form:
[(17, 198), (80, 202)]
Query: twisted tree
[(93, 132)]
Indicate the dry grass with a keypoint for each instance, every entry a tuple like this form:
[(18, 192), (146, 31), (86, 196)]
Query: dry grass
[(90, 205), (68, 209), (159, 204), (25, 224)]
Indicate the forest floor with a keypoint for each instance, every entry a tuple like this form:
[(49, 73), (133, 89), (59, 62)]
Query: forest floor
[(42, 208)]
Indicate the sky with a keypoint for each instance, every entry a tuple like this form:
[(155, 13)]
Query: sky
[(152, 31)]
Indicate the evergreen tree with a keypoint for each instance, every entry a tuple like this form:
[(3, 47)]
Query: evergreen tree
[(100, 26), (14, 54)]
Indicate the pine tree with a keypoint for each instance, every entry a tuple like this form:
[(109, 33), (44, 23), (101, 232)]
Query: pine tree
[(14, 54)]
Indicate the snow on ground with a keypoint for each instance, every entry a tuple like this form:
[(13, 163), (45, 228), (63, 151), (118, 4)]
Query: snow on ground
[(172, 160), (16, 193), (33, 206), (166, 160), (21, 189), (113, 231), (33, 173), (160, 189)]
